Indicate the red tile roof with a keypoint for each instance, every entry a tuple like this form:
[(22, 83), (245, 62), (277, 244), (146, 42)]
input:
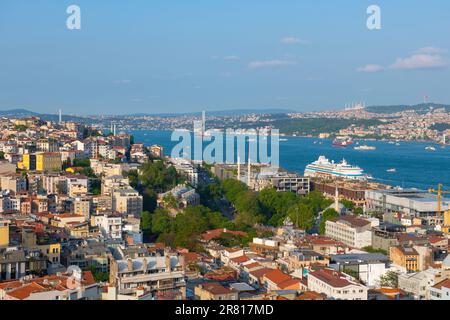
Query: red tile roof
[(216, 288), (240, 259), (331, 277), (277, 277), (217, 233), (445, 284), (260, 272)]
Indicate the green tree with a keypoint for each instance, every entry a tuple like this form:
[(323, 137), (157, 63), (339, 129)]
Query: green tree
[(233, 188), (302, 216), (162, 222), (389, 280), (146, 223), (149, 199), (358, 211), (349, 205), (276, 203), (85, 163), (170, 201), (133, 178), (327, 215), (371, 249)]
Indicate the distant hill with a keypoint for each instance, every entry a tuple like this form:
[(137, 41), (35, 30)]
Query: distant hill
[(423, 107), (23, 113), (19, 113), (235, 112)]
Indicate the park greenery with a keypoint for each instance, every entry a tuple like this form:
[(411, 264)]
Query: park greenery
[(154, 177), (248, 209)]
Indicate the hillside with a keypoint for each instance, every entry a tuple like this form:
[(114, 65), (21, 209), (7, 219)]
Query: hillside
[(423, 107)]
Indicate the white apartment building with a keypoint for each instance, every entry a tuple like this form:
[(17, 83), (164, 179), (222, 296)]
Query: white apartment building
[(440, 291), (109, 224), (370, 267), (336, 285), (157, 274), (418, 284), (56, 287), (352, 231)]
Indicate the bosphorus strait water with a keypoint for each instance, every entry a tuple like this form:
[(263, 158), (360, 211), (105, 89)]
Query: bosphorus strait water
[(414, 166)]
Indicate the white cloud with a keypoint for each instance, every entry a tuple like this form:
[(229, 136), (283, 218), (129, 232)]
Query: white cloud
[(420, 61), (270, 63), (293, 40), (226, 58), (231, 58), (423, 58), (370, 68), (432, 50)]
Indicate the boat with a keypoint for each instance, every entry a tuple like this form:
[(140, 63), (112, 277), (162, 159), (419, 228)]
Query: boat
[(391, 170), (365, 147), (342, 142), (430, 148), (326, 168), (283, 140)]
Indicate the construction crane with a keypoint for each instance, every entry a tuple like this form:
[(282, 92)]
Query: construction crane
[(439, 193)]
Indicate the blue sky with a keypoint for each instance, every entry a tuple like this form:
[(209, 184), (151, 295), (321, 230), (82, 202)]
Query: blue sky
[(161, 56)]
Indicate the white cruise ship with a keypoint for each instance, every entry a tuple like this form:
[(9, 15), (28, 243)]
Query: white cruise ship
[(326, 168)]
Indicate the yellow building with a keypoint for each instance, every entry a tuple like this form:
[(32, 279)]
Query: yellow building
[(405, 257), (46, 161), (4, 233), (446, 227)]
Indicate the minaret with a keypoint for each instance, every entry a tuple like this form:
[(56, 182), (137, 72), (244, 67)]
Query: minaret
[(249, 171), (336, 200)]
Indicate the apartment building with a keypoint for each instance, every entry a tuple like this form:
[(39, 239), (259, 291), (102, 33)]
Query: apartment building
[(336, 285), (215, 291), (43, 162), (367, 267), (411, 202), (418, 284), (55, 287), (13, 182), (158, 274), (127, 201), (110, 224), (350, 230), (4, 233), (440, 291), (406, 258), (282, 182)]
